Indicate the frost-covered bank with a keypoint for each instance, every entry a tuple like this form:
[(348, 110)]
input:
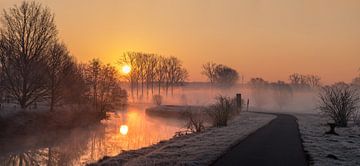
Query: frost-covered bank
[(325, 149), (195, 149)]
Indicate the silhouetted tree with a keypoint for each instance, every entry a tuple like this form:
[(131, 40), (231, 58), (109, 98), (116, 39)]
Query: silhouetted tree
[(313, 81), (339, 101), (60, 66), (161, 69), (151, 64), (129, 58), (176, 74), (76, 89), (208, 70), (168, 72), (92, 77), (109, 91), (301, 81), (225, 75), (27, 33), (103, 86)]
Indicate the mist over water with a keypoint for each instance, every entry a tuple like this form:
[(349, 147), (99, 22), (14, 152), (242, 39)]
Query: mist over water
[(304, 101), (132, 128), (85, 145)]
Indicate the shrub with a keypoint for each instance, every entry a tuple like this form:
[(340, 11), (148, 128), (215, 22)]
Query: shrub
[(339, 102), (157, 99), (221, 111), (195, 120)]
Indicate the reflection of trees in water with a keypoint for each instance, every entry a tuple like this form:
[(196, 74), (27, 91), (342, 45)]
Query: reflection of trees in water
[(86, 145), (31, 157), (69, 150)]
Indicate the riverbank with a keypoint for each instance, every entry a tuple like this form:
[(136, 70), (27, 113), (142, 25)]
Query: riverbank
[(174, 111), (327, 149), (194, 149), (35, 121)]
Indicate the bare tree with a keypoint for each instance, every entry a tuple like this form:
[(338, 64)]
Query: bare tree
[(295, 79), (76, 87), (208, 70), (103, 86), (26, 35), (225, 75), (129, 58), (108, 88), (161, 69), (301, 81), (147, 69), (176, 74), (151, 72), (93, 70), (60, 66), (313, 81), (339, 102)]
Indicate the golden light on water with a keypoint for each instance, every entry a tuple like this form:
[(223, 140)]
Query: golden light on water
[(124, 129), (126, 69)]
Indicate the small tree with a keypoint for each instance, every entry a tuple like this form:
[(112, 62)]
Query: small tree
[(26, 35), (60, 66), (339, 102), (208, 70), (195, 120), (225, 75), (221, 111)]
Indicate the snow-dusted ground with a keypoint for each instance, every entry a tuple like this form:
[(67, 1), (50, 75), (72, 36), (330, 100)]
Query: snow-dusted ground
[(322, 147), (194, 149)]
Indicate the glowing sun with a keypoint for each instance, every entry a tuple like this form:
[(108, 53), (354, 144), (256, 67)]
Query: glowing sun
[(124, 129), (126, 69)]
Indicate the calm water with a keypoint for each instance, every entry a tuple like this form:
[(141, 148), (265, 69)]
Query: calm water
[(124, 130)]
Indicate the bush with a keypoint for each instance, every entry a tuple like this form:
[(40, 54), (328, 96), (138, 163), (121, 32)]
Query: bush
[(157, 99), (339, 102), (195, 120), (221, 111)]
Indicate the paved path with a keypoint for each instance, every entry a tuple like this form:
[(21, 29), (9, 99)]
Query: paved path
[(276, 144)]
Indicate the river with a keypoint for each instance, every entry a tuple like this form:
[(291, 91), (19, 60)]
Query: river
[(124, 130)]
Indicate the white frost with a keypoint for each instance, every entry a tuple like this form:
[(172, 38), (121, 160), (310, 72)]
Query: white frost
[(346, 146), (195, 149)]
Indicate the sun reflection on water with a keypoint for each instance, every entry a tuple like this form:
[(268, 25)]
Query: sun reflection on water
[(124, 129)]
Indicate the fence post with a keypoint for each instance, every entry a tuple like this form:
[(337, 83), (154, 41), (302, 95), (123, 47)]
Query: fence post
[(238, 101)]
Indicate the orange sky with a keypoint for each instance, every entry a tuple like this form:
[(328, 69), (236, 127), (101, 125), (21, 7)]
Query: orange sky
[(267, 38)]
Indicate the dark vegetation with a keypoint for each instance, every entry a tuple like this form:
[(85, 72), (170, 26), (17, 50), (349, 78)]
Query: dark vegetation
[(220, 75), (281, 91), (37, 72), (339, 102), (152, 72), (221, 112)]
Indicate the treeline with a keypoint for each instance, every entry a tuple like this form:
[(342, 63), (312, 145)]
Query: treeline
[(35, 67), (219, 74), (152, 72), (296, 82), (281, 91)]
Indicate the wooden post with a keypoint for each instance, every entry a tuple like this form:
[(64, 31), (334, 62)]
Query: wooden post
[(238, 101), (247, 105)]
